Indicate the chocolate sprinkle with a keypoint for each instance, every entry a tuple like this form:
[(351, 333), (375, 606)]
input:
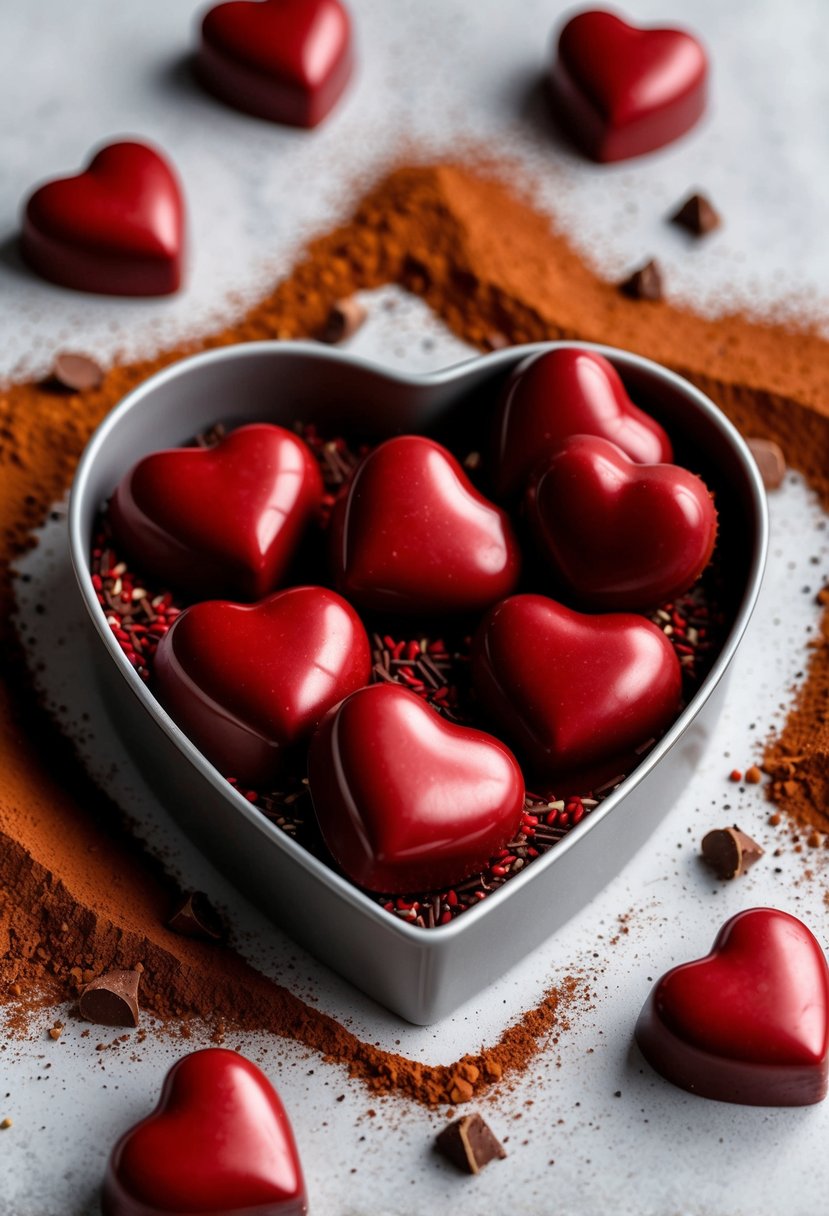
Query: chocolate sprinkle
[(344, 319), (697, 215)]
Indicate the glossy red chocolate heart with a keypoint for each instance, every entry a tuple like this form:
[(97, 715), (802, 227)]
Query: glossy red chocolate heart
[(405, 800), (560, 393), (246, 682), (575, 695), (619, 535), (622, 91), (218, 1144), (116, 228), (748, 1023), (284, 60), (224, 520), (412, 534)]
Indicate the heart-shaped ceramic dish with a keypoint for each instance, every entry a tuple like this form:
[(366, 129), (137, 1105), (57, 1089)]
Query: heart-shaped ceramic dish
[(420, 974)]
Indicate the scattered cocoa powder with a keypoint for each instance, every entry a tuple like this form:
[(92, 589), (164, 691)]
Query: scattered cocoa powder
[(77, 895)]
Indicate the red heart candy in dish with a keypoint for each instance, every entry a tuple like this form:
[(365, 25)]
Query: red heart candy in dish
[(117, 228), (405, 800), (218, 1144), (412, 534), (565, 392), (620, 535), (622, 91), (225, 520), (748, 1023), (285, 60), (575, 695), (246, 682)]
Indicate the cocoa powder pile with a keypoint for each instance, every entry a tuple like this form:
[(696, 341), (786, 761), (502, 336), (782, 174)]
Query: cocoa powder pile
[(77, 895)]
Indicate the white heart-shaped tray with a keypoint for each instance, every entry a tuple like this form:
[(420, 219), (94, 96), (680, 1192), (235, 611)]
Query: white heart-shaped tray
[(420, 974)]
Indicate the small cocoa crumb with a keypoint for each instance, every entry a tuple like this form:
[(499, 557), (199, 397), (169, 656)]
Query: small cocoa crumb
[(753, 775)]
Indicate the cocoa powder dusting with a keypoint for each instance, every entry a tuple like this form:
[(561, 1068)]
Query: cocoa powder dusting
[(77, 895)]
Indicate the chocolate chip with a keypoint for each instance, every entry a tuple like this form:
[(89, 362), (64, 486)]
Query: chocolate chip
[(645, 283), (770, 460), (195, 916), (697, 215), (76, 372), (729, 852), (111, 999), (469, 1144), (344, 319)]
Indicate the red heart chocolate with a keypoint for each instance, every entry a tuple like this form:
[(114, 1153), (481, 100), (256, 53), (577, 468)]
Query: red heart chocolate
[(620, 535), (218, 1144), (405, 800), (284, 60), (224, 520), (412, 534), (116, 228), (622, 91), (575, 695), (748, 1023), (565, 392), (245, 682)]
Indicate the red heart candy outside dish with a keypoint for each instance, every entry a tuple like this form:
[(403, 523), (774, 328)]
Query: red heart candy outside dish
[(619, 535), (405, 800), (412, 534), (575, 695), (218, 1144), (284, 60), (116, 228), (748, 1023), (565, 392), (622, 91), (224, 520), (245, 682)]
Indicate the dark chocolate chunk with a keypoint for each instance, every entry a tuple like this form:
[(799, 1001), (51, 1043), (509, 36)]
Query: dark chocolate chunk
[(645, 283), (76, 372), (344, 319), (770, 460), (729, 852), (697, 215), (112, 999), (195, 916), (469, 1144)]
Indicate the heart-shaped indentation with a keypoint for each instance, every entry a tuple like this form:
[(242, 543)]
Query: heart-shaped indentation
[(412, 534), (246, 682), (560, 393), (116, 228), (575, 695), (284, 60), (405, 800), (750, 1022), (224, 520), (219, 1143), (620, 535), (623, 91)]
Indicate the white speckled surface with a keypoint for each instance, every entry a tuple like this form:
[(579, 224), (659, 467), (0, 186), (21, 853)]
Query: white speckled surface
[(253, 192)]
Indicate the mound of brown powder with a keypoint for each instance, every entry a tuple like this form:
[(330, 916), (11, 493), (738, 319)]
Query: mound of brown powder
[(75, 890)]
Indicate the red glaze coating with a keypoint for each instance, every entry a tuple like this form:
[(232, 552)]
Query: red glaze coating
[(747, 1023), (565, 392), (405, 800), (116, 228), (284, 60), (575, 695), (619, 535), (224, 520), (412, 534), (622, 91), (218, 1144), (245, 682)]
